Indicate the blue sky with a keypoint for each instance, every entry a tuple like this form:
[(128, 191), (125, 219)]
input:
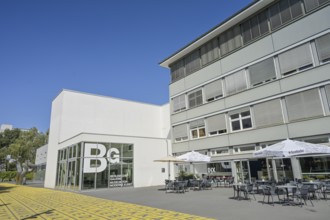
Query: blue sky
[(106, 47)]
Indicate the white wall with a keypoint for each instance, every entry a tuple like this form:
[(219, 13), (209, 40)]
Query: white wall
[(79, 117)]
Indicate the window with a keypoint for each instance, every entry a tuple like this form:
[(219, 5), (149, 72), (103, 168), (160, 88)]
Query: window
[(262, 72), (296, 59), (192, 62), (220, 151), (210, 51), (197, 129), (235, 82), (195, 98), (240, 120), (323, 48), (312, 4), (179, 103), (213, 91), (177, 71), (180, 133), (284, 11), (304, 105), (268, 113), (230, 40), (327, 91), (216, 124), (255, 27)]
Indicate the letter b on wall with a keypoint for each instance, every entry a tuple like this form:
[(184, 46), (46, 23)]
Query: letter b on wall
[(98, 167)]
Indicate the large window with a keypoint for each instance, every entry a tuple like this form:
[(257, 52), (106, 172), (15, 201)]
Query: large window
[(323, 48), (240, 119), (210, 51), (177, 70), (317, 167), (284, 11), (179, 103), (197, 129), (327, 91), (235, 82), (304, 105), (192, 62), (296, 59), (216, 124), (262, 72), (268, 113), (312, 4), (180, 133), (213, 91), (195, 98), (230, 40), (255, 27)]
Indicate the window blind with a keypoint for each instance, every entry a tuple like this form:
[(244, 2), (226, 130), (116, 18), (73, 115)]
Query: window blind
[(268, 113), (262, 72), (311, 4), (192, 62), (295, 59), (235, 82), (213, 90), (177, 70), (216, 123), (180, 131), (179, 103), (195, 98), (327, 91), (197, 123), (323, 47), (304, 105), (210, 51)]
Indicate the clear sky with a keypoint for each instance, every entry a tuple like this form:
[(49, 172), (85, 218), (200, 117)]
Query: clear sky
[(106, 47)]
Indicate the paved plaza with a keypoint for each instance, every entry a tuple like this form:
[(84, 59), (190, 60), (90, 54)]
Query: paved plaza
[(28, 202)]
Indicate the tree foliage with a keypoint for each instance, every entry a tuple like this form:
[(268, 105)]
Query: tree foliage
[(21, 145)]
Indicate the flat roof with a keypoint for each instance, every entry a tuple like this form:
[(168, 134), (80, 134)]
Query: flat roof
[(239, 16)]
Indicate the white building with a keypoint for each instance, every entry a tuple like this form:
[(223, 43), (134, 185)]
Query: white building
[(100, 142)]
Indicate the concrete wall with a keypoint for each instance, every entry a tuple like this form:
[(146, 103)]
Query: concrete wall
[(110, 120)]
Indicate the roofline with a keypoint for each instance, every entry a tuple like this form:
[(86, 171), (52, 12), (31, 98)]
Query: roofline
[(223, 26), (109, 97)]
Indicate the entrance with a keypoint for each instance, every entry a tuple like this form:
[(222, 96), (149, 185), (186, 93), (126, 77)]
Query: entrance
[(242, 171)]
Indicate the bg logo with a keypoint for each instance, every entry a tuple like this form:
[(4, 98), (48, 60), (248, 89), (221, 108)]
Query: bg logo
[(112, 155)]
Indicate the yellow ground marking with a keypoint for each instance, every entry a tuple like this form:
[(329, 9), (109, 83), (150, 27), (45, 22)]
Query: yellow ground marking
[(22, 202)]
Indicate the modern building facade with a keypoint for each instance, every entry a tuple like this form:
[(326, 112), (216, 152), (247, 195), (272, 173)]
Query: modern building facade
[(261, 76), (102, 142)]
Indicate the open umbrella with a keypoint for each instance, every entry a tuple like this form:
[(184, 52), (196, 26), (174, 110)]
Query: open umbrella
[(289, 148), (170, 159), (194, 157)]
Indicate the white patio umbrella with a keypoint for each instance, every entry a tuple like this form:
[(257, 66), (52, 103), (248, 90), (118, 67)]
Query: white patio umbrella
[(170, 159), (194, 157), (290, 148)]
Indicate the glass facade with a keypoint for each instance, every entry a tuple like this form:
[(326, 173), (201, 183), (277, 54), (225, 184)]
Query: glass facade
[(95, 165)]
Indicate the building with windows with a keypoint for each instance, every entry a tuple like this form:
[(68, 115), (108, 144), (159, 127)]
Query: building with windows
[(261, 76), (102, 142)]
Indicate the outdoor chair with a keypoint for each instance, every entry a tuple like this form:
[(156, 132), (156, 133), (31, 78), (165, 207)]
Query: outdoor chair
[(303, 194), (326, 190), (248, 190), (169, 186), (236, 191), (270, 193), (179, 187)]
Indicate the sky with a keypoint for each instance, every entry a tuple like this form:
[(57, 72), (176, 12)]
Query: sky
[(105, 47)]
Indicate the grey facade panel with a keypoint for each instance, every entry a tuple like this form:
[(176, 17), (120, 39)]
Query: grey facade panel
[(250, 53), (178, 117), (206, 109), (250, 95), (258, 135), (306, 78), (209, 143), (203, 75), (309, 127), (302, 29), (177, 87), (180, 147)]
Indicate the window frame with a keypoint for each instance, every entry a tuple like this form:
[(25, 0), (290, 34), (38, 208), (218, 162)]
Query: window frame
[(240, 119)]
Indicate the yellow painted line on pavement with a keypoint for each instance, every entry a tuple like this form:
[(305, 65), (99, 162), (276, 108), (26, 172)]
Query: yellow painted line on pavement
[(23, 202)]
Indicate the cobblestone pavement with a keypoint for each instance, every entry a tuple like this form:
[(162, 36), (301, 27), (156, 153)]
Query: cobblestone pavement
[(22, 202)]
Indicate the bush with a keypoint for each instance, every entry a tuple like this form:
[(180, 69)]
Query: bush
[(7, 175)]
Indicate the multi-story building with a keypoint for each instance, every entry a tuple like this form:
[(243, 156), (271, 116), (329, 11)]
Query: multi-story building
[(261, 76)]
